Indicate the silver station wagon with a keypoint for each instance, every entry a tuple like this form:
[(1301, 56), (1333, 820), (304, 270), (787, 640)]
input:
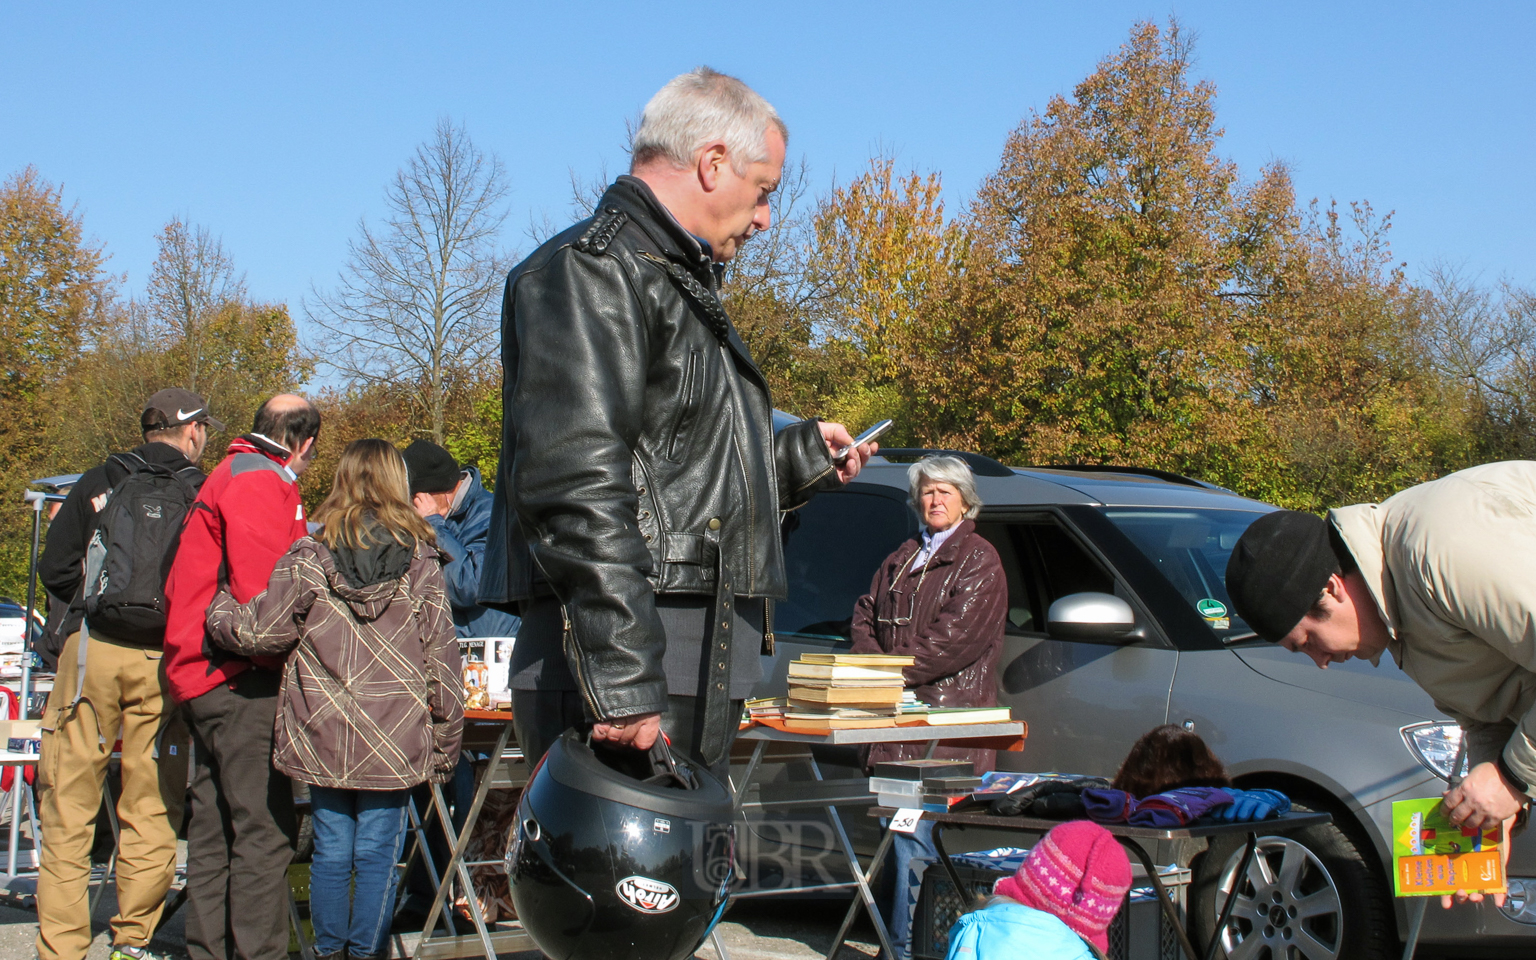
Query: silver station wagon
[(1348, 740)]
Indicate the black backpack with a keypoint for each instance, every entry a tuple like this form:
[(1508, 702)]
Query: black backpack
[(130, 555)]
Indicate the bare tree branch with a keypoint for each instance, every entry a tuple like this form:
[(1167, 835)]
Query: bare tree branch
[(417, 299)]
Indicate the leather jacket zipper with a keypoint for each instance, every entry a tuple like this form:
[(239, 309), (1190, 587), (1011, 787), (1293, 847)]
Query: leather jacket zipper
[(746, 475), (573, 657), (686, 410)]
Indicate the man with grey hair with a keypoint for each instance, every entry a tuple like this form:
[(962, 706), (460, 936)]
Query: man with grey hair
[(636, 520)]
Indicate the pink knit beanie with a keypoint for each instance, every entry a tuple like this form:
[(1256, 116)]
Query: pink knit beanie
[(1078, 872)]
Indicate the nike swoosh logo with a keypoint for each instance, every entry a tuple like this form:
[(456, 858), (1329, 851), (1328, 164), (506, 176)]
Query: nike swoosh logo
[(187, 416)]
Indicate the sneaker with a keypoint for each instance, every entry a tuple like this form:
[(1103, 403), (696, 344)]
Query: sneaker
[(120, 952)]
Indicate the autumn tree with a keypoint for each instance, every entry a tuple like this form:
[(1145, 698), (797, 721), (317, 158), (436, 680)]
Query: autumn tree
[(887, 259), (51, 289), (1118, 267), (775, 298), (195, 327), (417, 303), (191, 280), (52, 286)]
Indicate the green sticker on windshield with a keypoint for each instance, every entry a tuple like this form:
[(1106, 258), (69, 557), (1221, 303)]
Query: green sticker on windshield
[(1211, 609)]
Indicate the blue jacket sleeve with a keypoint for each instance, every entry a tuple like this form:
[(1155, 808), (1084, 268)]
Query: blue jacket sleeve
[(462, 572)]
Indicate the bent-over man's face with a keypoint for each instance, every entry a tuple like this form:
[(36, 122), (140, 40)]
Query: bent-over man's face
[(1333, 631), (743, 201)]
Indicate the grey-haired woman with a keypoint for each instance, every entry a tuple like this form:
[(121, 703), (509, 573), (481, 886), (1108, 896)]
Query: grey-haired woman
[(941, 597)]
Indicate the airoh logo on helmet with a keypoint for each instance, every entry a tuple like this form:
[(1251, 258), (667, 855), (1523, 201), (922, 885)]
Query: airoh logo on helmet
[(646, 895)]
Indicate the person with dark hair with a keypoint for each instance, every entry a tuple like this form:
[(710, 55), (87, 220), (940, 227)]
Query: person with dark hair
[(454, 501), (1438, 576), (118, 692), (242, 832), (1167, 757), (286, 423)]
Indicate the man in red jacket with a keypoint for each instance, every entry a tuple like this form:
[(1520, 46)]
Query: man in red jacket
[(241, 835)]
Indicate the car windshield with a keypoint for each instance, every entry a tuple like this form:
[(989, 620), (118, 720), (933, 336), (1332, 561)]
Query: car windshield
[(1190, 548)]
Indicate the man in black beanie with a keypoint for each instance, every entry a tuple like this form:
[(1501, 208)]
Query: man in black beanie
[(1442, 576), (457, 505)]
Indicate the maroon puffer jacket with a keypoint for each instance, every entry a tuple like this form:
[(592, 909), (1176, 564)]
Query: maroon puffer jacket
[(956, 629)]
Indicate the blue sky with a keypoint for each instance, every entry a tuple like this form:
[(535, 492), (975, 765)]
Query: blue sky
[(277, 125)]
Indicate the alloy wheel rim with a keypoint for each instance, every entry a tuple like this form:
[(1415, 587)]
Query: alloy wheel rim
[(1288, 906)]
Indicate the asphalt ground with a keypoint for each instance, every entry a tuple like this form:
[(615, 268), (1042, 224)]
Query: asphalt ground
[(752, 930)]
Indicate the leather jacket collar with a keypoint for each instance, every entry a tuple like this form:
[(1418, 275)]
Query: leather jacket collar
[(634, 197)]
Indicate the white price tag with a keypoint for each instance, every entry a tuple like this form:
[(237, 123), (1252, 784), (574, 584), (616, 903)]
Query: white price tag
[(905, 821)]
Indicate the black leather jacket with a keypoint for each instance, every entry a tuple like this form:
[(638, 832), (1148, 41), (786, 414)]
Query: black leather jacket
[(638, 452)]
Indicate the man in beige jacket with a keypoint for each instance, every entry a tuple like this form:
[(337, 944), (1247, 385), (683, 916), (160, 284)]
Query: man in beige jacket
[(1442, 576)]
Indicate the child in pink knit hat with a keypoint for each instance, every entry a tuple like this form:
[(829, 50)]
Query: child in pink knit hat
[(1067, 892)]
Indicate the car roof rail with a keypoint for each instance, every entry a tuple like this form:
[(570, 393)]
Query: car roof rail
[(980, 464), (1141, 471)]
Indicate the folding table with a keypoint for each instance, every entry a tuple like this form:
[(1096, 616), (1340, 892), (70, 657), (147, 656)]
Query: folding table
[(504, 770), (1130, 837), (830, 794)]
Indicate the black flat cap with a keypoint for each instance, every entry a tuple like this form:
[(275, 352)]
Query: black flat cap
[(1278, 569), (431, 468)]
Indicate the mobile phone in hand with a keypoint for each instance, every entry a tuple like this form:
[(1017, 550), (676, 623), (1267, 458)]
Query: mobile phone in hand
[(868, 436)]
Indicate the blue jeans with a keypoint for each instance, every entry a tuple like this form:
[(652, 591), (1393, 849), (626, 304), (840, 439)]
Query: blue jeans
[(358, 838), (908, 852)]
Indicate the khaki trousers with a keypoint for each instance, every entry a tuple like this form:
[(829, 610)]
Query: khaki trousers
[(125, 694)]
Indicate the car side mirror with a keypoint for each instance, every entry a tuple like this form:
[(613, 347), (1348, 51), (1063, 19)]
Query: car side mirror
[(1091, 616)]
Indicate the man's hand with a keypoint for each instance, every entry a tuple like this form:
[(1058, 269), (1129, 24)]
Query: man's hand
[(837, 437), (427, 506), (638, 731), (1449, 900), (1483, 800)]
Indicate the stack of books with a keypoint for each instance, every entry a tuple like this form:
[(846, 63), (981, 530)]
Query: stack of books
[(765, 708), (946, 716), (840, 691), (923, 784)]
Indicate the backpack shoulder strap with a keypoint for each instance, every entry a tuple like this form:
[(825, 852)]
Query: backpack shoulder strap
[(124, 465), (191, 479)]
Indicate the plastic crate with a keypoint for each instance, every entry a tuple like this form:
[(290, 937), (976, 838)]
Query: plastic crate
[(1139, 931)]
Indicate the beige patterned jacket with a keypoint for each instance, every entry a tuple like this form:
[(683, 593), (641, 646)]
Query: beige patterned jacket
[(372, 694)]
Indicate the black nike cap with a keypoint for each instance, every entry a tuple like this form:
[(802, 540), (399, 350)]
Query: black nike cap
[(175, 407)]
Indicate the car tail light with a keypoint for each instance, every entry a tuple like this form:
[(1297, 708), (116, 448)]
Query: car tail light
[(1437, 747)]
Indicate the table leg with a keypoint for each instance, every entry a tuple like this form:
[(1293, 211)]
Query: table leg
[(714, 938), (1169, 912), (18, 784), (1416, 912), (419, 829), (1226, 908), (860, 877), (460, 841), (949, 867), (866, 899), (746, 777), (476, 916)]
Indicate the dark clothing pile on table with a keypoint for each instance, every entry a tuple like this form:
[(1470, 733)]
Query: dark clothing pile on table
[(1093, 798)]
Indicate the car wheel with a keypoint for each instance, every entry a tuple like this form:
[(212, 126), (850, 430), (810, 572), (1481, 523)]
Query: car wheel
[(1309, 896)]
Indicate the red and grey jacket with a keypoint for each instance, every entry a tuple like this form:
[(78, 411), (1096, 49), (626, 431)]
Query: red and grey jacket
[(247, 516)]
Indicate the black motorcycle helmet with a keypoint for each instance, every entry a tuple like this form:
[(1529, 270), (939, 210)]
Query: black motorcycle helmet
[(619, 853)]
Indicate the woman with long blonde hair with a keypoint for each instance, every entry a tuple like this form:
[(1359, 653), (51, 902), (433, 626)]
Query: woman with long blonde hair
[(371, 703)]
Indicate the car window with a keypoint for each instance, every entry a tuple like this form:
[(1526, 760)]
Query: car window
[(833, 546), (1043, 562), (1190, 548)]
